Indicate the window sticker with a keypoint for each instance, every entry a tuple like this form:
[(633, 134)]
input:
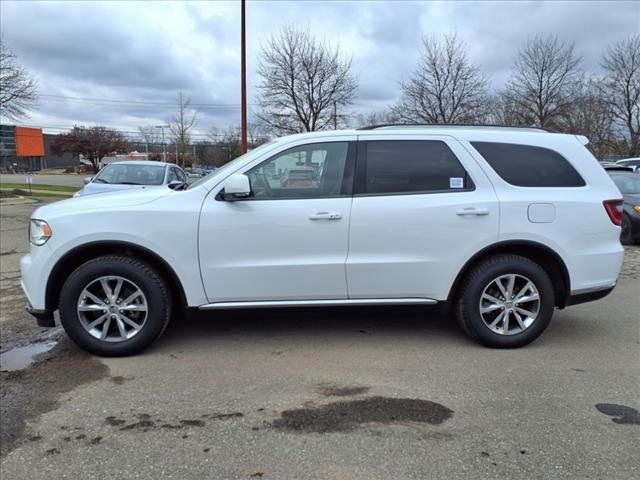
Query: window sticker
[(456, 182)]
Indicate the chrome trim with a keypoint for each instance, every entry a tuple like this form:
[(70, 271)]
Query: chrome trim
[(320, 303)]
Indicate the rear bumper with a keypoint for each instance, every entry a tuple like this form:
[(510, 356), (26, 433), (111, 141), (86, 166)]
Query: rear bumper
[(588, 295)]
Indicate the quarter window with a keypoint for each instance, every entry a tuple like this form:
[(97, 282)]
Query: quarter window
[(529, 166), (411, 166), (307, 171)]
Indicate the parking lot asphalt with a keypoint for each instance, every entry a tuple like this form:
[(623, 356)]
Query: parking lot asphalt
[(327, 393)]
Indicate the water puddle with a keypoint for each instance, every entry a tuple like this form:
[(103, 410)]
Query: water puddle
[(21, 357), (348, 415)]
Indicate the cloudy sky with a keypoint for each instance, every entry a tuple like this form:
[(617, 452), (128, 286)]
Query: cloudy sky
[(121, 64)]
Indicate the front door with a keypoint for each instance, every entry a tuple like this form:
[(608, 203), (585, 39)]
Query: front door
[(289, 240)]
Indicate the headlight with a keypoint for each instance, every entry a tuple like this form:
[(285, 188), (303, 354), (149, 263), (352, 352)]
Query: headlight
[(636, 208), (39, 232)]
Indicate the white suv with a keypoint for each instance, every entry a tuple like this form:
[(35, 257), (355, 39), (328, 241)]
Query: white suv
[(504, 224)]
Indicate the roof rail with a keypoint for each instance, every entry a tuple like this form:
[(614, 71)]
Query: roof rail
[(449, 125)]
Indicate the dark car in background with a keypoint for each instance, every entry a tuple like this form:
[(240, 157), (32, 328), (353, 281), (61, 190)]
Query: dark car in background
[(629, 185)]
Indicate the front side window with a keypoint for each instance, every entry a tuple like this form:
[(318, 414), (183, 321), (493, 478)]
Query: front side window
[(529, 166), (411, 166), (306, 171), (131, 174)]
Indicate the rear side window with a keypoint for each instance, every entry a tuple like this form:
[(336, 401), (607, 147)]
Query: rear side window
[(528, 166), (411, 166)]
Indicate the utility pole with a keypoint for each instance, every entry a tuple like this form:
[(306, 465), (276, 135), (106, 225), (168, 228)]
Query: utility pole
[(164, 145), (243, 80)]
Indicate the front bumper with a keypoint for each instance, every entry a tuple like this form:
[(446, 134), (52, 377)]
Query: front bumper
[(44, 318)]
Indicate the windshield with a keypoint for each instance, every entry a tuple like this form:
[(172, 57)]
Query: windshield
[(627, 184), (131, 174), (231, 164)]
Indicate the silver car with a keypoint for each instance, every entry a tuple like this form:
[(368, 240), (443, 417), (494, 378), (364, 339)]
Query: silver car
[(134, 174)]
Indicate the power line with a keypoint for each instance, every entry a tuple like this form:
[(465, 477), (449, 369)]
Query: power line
[(119, 102)]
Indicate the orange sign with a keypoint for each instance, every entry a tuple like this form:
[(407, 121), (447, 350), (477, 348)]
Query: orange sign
[(29, 142)]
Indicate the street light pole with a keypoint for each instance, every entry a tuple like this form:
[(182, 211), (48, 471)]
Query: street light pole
[(164, 145), (243, 80)]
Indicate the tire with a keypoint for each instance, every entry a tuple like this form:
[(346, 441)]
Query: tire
[(134, 318), (480, 289), (626, 235)]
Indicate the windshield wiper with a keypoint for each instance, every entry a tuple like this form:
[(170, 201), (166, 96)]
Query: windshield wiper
[(100, 180), (130, 183)]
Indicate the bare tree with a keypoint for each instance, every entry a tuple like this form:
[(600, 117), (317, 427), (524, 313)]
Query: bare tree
[(303, 83), (589, 115), (501, 110), (360, 120), (152, 139), (181, 125), (445, 87), (18, 91), (542, 81), (621, 90)]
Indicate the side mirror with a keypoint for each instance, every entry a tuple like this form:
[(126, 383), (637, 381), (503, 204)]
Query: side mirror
[(176, 185), (235, 187), (87, 180)]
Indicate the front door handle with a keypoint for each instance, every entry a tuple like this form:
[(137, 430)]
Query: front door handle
[(472, 211), (325, 216)]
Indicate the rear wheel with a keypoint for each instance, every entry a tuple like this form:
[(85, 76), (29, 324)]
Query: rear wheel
[(506, 301), (626, 237), (114, 306)]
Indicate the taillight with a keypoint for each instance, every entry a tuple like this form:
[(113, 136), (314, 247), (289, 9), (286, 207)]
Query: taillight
[(614, 210)]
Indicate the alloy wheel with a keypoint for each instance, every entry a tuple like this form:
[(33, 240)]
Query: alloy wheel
[(509, 304), (112, 309)]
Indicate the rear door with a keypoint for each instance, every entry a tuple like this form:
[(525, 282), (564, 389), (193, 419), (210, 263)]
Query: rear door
[(422, 206)]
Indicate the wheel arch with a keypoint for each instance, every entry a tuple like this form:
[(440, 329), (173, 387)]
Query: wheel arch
[(544, 256), (82, 253)]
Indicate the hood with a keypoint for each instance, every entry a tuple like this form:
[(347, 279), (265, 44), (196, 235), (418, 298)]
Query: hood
[(92, 188), (102, 202)]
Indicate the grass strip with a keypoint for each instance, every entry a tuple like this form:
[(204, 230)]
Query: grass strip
[(39, 186)]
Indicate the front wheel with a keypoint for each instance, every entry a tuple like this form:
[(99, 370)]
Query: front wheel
[(506, 301), (114, 306)]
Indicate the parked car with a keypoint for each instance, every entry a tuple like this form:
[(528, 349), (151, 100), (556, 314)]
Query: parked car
[(133, 174), (630, 162), (503, 224), (609, 166), (629, 185), (298, 177)]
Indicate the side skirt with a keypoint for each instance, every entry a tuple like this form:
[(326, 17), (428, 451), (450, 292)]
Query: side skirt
[(320, 303)]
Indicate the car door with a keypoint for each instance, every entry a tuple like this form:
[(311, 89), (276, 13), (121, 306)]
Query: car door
[(288, 240), (421, 207)]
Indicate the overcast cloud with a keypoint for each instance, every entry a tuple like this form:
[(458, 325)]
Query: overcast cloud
[(131, 58)]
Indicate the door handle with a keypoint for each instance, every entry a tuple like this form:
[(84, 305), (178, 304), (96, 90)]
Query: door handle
[(325, 216), (472, 211)]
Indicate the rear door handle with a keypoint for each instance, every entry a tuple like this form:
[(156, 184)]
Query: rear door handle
[(325, 216), (472, 211)]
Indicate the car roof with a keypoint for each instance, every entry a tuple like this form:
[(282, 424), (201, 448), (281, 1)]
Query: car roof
[(462, 132), (140, 162)]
